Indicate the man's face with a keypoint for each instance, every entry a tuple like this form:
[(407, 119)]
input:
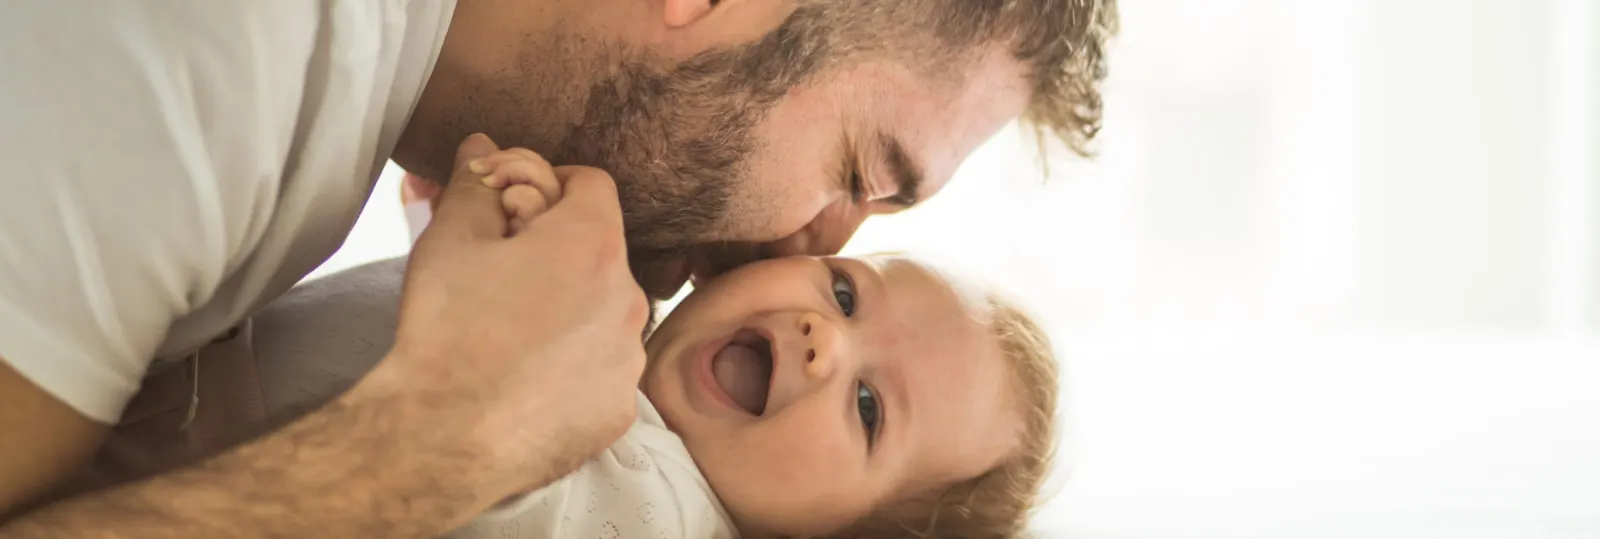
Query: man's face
[(721, 159), (866, 139)]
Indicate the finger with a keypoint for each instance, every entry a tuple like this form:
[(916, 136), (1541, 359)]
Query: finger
[(486, 164), (524, 172), (468, 208), (639, 309), (590, 191), (522, 204)]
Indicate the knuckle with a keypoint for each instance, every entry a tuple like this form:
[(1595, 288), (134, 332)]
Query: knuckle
[(638, 308), (528, 154), (586, 175), (640, 362), (582, 170), (523, 193), (594, 187), (630, 408), (503, 157), (624, 413), (520, 167), (612, 250)]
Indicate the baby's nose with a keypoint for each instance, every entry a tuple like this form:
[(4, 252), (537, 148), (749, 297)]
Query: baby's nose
[(820, 345)]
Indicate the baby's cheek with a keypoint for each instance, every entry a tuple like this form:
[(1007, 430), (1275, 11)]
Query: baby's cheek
[(795, 475), (813, 450)]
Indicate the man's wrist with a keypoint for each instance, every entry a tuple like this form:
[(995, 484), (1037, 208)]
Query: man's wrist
[(495, 453), (415, 429)]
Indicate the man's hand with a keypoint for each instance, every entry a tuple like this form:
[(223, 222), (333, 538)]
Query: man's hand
[(526, 343)]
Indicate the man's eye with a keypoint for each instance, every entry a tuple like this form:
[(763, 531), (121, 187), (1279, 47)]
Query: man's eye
[(844, 293), (871, 415), (857, 191)]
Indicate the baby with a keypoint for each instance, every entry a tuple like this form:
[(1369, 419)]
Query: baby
[(811, 397)]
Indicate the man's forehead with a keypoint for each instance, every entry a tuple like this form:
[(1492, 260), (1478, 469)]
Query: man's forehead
[(934, 127)]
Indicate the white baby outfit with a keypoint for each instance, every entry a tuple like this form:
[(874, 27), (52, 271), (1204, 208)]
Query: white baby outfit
[(645, 486)]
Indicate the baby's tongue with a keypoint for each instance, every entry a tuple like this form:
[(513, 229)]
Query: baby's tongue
[(744, 374)]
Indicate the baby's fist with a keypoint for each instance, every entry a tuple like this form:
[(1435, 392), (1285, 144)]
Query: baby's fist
[(530, 184)]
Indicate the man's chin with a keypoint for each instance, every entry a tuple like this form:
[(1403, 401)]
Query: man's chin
[(662, 273), (661, 276)]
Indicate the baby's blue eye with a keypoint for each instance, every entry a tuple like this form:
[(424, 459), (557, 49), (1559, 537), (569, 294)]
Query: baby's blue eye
[(867, 405), (844, 292)]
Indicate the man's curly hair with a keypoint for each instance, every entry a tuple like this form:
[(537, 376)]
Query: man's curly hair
[(1061, 45)]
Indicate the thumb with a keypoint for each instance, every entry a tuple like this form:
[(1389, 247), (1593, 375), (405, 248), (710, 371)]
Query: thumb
[(475, 146), (468, 208)]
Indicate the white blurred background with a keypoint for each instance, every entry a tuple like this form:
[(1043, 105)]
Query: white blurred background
[(1336, 272)]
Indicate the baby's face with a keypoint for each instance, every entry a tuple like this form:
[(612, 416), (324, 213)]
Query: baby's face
[(811, 391)]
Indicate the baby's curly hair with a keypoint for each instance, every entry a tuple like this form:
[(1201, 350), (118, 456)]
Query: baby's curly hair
[(997, 503)]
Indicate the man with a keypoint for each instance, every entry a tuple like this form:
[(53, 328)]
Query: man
[(174, 166)]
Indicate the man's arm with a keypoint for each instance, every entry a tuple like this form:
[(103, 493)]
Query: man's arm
[(493, 387), (341, 471)]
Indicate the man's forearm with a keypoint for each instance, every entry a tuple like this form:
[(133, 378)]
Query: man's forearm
[(338, 472)]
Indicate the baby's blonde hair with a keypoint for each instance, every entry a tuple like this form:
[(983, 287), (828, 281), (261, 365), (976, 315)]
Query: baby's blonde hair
[(995, 504)]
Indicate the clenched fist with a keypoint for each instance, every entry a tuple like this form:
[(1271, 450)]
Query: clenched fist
[(518, 341)]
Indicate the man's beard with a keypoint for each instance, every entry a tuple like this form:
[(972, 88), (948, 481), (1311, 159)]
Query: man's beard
[(678, 146), (676, 141)]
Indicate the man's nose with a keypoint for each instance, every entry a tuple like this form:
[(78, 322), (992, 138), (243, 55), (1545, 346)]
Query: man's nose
[(825, 235)]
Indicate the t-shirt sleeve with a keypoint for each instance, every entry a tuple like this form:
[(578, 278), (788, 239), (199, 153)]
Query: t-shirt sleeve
[(141, 143)]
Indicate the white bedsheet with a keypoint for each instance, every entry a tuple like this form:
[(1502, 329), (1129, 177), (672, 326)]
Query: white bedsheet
[(1245, 434)]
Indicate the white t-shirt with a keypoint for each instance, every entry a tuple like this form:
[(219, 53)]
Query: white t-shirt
[(171, 166)]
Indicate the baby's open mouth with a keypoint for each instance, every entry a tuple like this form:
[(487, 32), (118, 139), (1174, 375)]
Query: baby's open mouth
[(743, 369)]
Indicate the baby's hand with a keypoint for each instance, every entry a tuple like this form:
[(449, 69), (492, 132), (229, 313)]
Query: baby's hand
[(528, 180)]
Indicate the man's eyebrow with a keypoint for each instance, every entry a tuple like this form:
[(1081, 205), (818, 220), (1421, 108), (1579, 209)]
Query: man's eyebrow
[(907, 175)]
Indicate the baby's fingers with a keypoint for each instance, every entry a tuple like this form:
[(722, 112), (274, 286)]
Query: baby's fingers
[(486, 164), (522, 204), (519, 166)]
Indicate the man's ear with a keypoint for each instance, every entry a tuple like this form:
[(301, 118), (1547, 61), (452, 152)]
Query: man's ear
[(681, 13)]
